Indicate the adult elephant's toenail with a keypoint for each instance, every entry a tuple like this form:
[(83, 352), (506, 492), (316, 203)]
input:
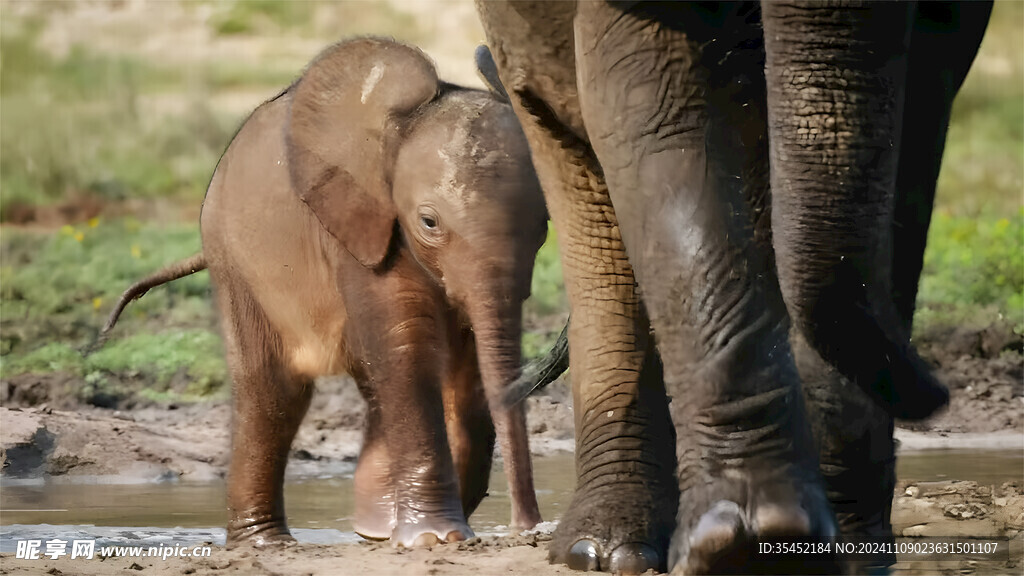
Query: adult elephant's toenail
[(584, 556), (634, 558), (720, 525)]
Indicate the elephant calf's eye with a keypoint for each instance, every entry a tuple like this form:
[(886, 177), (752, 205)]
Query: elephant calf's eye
[(428, 222)]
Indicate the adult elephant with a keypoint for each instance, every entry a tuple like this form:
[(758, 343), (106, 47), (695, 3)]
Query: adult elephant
[(683, 116)]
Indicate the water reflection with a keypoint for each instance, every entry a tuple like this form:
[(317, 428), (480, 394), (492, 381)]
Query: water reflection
[(326, 503)]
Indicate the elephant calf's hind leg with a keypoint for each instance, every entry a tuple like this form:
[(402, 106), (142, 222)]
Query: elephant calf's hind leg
[(269, 403)]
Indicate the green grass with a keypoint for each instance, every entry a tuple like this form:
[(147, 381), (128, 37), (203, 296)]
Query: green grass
[(59, 286), (251, 16), (973, 273), (77, 125), (309, 18), (547, 300), (983, 167), (547, 290)]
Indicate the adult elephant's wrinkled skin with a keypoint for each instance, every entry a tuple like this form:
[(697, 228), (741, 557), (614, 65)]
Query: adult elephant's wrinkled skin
[(374, 220), (764, 175)]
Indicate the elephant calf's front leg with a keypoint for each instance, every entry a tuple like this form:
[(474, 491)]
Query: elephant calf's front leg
[(396, 340), (470, 429)]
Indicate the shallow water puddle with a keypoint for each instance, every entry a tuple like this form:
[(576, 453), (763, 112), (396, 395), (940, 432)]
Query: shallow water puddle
[(319, 508)]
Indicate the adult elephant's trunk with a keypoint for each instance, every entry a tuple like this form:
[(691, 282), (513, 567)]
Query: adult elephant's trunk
[(497, 326), (835, 100)]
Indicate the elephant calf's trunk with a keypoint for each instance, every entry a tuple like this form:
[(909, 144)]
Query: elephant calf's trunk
[(499, 356)]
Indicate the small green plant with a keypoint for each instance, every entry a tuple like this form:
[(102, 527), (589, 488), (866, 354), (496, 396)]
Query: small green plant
[(58, 287), (973, 271), (547, 290)]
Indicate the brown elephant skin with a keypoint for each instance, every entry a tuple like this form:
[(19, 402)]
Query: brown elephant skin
[(375, 221)]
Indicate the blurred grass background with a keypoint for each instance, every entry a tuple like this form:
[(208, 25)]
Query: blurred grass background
[(113, 116)]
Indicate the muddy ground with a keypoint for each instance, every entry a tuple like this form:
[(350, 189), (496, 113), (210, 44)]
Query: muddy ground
[(46, 430), (46, 433)]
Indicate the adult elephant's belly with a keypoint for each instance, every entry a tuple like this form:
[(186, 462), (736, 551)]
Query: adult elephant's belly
[(259, 234)]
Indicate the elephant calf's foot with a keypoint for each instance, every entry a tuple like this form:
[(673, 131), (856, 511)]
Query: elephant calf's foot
[(423, 531), (619, 528), (377, 521), (430, 531), (754, 525), (257, 529), (374, 519)]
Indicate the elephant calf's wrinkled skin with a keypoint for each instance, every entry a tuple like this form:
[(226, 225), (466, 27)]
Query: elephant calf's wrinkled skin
[(656, 129), (374, 220)]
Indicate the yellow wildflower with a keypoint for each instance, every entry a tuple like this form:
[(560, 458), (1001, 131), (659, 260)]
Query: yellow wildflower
[(94, 222), (136, 251), (67, 230), (96, 303), (79, 236)]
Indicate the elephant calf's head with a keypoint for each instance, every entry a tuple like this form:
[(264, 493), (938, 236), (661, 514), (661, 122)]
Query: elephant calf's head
[(468, 200), (375, 139)]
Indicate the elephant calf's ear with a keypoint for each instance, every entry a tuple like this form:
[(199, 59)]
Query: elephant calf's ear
[(350, 101)]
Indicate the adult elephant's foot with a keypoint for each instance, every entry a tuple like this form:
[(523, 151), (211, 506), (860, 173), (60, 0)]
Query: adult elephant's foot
[(257, 528), (623, 512), (618, 528), (754, 525), (857, 456), (751, 496)]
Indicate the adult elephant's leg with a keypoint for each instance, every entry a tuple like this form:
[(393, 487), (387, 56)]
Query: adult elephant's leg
[(855, 434), (268, 405), (835, 128), (621, 515), (856, 451), (944, 42), (673, 99)]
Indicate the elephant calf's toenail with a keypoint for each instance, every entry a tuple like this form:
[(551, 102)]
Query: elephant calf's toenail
[(583, 556), (427, 539), (634, 558)]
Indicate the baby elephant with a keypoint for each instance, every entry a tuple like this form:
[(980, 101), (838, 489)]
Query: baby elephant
[(374, 220)]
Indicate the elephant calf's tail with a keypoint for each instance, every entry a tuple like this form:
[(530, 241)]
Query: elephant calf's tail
[(180, 269)]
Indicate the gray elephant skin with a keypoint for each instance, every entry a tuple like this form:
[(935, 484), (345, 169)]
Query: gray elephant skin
[(757, 172), (376, 221)]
